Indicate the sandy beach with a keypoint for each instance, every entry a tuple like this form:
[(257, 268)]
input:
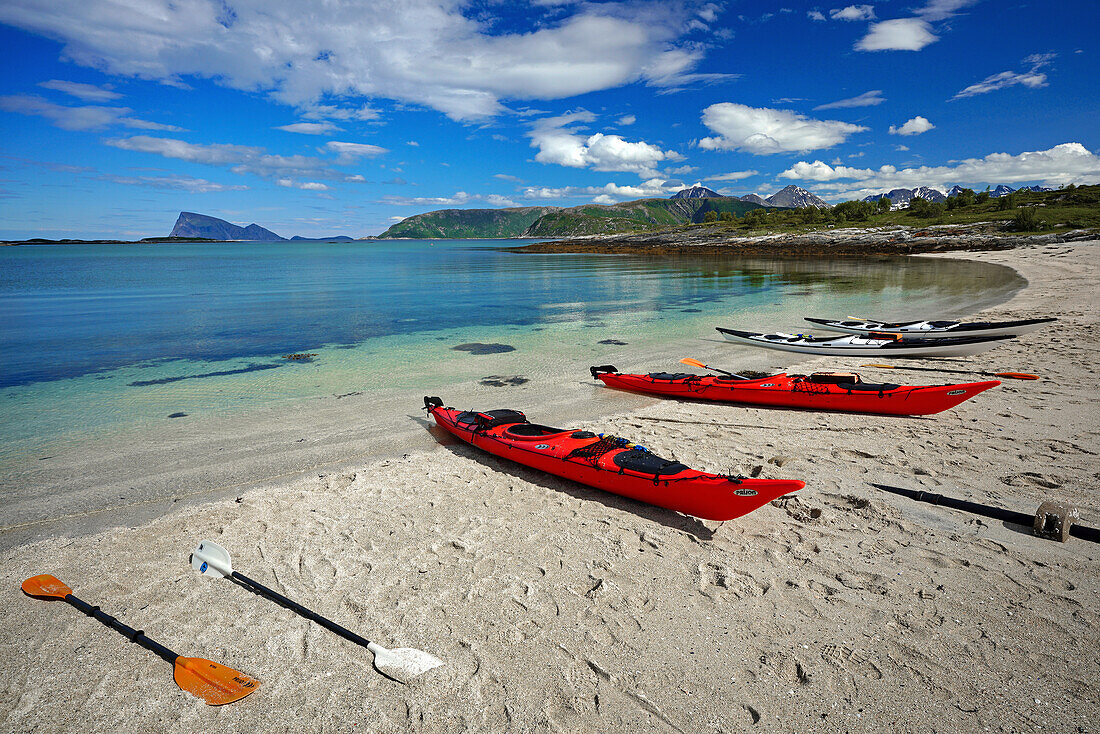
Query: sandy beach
[(557, 608)]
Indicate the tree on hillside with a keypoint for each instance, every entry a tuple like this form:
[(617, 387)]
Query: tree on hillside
[(727, 217), (967, 197), (884, 204), (854, 211), (710, 217)]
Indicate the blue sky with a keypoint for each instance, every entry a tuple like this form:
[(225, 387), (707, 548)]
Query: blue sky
[(345, 117)]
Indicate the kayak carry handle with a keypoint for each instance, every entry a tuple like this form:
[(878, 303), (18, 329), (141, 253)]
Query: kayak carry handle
[(431, 403), (605, 368)]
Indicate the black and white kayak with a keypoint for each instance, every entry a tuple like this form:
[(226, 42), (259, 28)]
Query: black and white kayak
[(934, 329), (877, 345)]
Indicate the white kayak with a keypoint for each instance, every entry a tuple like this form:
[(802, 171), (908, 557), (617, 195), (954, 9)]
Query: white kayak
[(866, 346), (933, 329)]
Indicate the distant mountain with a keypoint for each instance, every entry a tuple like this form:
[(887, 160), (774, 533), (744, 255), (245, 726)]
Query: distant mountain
[(753, 199), (954, 191), (190, 224), (589, 219), (1035, 188), (469, 223), (1001, 190), (337, 238), (904, 196), (696, 192), (796, 197)]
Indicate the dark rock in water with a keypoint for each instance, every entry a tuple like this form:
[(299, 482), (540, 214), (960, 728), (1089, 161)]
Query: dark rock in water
[(300, 356), (190, 224), (479, 348), (501, 381), (616, 342), (220, 373), (176, 415), (691, 310)]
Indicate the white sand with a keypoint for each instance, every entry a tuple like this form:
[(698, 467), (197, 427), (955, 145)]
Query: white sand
[(558, 608)]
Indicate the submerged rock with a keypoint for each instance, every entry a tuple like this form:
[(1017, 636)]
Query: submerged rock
[(479, 348)]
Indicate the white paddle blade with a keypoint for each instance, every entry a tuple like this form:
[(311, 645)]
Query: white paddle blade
[(211, 559), (404, 663)]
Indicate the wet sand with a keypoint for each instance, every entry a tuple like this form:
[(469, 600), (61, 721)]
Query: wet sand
[(559, 608)]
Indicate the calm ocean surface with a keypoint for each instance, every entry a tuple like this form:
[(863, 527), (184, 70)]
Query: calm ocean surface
[(107, 336)]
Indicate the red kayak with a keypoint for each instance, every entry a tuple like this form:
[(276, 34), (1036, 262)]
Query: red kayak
[(819, 391), (610, 463)]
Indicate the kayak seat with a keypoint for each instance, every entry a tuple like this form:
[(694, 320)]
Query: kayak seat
[(532, 430), (868, 386), (670, 375), (644, 462), (490, 418)]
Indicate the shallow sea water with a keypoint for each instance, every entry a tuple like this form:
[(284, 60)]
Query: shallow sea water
[(105, 338)]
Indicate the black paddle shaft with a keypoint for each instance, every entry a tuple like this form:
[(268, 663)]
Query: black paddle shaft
[(135, 636), (294, 606), (1078, 531)]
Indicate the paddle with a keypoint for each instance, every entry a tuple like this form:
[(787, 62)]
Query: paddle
[(1010, 375), (402, 664), (997, 513), (213, 683), (697, 363)]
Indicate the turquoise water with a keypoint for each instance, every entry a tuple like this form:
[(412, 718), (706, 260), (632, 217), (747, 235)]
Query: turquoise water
[(106, 337)]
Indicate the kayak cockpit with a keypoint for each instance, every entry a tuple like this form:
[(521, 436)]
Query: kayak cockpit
[(531, 431)]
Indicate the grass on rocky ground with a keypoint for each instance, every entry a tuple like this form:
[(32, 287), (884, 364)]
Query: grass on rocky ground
[(1051, 211)]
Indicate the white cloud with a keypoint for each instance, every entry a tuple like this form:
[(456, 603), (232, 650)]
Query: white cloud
[(351, 152), (815, 15), (310, 128), (910, 34), (1063, 164), (853, 12), (935, 10), (173, 183), (413, 143), (86, 92), (764, 131), (733, 176), (88, 117), (867, 99), (901, 148), (437, 54), (1032, 78), (507, 177), (240, 158), (654, 187), (458, 199), (331, 112), (914, 126), (559, 141), (680, 170), (821, 171), (627, 120), (901, 34), (304, 185)]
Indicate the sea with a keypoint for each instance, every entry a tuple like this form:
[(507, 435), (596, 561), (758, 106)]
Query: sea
[(101, 338)]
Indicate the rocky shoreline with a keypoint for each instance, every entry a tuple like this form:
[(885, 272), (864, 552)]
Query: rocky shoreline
[(849, 241)]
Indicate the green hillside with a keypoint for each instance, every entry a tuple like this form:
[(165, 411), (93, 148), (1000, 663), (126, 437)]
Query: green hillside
[(468, 223), (630, 216)]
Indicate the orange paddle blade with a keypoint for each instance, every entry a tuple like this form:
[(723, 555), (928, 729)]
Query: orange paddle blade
[(1017, 375), (213, 683), (693, 362), (45, 586)]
